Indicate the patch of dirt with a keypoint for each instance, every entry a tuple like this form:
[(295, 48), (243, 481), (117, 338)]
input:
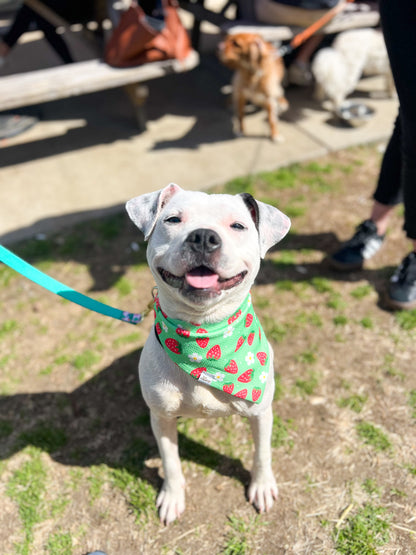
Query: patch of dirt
[(69, 389)]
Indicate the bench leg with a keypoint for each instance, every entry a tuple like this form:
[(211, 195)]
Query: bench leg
[(138, 95)]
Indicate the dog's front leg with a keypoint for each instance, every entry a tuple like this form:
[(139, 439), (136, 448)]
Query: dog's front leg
[(271, 107), (171, 499), (263, 489), (239, 104)]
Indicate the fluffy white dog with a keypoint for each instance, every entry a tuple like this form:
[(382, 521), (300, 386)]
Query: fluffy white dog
[(354, 54)]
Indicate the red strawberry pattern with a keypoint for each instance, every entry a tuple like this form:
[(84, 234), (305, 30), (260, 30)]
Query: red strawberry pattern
[(183, 332), (202, 351), (173, 345), (202, 341), (214, 352), (255, 394), (231, 367), (249, 320), (262, 357), (242, 394), (239, 343), (246, 376), (228, 388), (196, 372), (234, 317)]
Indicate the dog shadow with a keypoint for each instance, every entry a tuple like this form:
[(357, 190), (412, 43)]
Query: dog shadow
[(104, 421), (106, 244)]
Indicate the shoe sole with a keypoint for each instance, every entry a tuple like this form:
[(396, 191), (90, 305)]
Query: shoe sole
[(398, 305)]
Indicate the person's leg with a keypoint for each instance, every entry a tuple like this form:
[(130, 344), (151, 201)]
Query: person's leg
[(22, 20), (398, 21), (55, 40), (369, 235), (24, 17)]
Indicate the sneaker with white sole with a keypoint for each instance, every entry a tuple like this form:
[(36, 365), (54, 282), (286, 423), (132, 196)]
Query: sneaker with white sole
[(402, 288), (363, 245)]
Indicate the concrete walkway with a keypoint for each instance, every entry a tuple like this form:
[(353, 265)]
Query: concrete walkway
[(86, 158)]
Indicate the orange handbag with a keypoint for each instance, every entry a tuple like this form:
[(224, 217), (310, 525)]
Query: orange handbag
[(135, 41)]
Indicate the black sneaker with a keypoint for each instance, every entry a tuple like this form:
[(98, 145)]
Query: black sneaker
[(402, 289), (363, 245)]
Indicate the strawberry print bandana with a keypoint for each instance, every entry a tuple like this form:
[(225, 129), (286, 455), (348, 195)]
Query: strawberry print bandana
[(231, 356)]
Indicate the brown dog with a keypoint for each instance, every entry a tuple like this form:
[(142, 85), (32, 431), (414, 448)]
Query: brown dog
[(258, 76)]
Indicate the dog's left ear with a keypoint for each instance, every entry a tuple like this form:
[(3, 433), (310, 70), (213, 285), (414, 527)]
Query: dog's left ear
[(144, 210), (270, 222), (257, 50)]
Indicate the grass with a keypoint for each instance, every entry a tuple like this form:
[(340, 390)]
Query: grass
[(280, 433), (85, 360), (275, 330), (371, 488), (124, 286), (364, 532), (77, 457), (361, 291), (45, 437), (6, 428), (412, 402), (373, 436), (8, 327), (354, 402), (308, 385), (239, 536), (139, 494), (26, 488), (406, 319), (60, 543)]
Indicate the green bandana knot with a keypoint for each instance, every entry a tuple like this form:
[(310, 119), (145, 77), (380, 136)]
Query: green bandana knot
[(232, 356)]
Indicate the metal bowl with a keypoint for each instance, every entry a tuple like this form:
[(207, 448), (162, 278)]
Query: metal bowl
[(355, 114)]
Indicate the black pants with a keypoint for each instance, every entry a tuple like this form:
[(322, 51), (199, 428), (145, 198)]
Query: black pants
[(397, 180), (24, 17)]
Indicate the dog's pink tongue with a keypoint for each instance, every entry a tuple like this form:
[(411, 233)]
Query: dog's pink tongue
[(201, 278)]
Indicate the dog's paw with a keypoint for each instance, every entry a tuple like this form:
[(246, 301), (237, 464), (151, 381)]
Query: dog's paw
[(262, 493), (278, 138), (171, 503)]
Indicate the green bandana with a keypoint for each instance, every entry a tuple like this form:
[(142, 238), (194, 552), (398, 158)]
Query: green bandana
[(231, 356)]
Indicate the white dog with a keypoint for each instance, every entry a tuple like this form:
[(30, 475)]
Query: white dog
[(353, 54), (207, 355)]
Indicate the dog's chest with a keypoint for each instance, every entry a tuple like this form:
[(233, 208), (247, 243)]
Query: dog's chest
[(257, 88)]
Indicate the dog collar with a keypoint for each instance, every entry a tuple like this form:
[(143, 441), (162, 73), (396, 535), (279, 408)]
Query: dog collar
[(231, 356)]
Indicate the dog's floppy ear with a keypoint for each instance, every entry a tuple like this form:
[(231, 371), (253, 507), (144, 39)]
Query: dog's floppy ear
[(257, 50), (144, 210), (270, 222)]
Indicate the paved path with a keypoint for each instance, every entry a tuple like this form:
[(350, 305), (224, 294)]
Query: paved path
[(85, 156)]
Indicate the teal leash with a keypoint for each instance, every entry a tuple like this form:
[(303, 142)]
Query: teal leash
[(53, 285)]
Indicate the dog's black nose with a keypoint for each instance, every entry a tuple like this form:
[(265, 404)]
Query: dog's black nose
[(203, 240)]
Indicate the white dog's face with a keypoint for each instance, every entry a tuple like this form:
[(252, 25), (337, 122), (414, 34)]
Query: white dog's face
[(205, 248)]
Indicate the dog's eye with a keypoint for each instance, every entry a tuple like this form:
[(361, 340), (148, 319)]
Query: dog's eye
[(173, 220), (237, 226)]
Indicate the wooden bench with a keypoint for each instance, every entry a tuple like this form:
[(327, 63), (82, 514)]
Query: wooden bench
[(356, 15), (45, 85)]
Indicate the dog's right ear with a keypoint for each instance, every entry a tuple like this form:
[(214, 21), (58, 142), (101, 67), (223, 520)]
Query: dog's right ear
[(145, 209)]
